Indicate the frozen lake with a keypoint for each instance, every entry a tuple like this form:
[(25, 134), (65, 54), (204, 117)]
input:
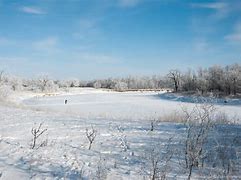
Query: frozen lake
[(92, 103)]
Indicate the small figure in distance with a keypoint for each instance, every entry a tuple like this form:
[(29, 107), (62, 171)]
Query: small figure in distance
[(65, 101)]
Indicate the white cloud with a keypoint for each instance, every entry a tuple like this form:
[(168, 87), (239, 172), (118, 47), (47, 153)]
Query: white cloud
[(235, 36), (32, 10)]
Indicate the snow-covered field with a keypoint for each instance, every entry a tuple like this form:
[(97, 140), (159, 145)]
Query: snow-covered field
[(123, 139)]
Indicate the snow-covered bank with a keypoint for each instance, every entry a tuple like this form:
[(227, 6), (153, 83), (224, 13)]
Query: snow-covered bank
[(200, 99)]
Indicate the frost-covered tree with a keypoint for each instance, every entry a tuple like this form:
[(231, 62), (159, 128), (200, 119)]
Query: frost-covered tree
[(202, 80), (51, 86), (42, 82), (216, 78), (234, 77), (97, 84), (175, 77), (45, 84), (121, 86), (15, 83), (73, 82), (189, 81)]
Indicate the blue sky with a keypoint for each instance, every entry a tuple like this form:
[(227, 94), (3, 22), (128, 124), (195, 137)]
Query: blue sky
[(90, 39)]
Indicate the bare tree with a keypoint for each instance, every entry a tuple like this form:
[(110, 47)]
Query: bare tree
[(91, 134), (175, 77), (37, 132)]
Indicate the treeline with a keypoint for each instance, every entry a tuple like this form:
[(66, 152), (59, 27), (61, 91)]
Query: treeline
[(216, 79), (130, 83), (221, 81)]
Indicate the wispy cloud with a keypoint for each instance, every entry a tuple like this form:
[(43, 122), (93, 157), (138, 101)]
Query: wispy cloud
[(48, 44), (32, 10), (87, 23), (201, 45), (86, 28), (235, 36), (207, 23), (96, 58), (128, 3), (6, 42), (213, 5), (221, 9)]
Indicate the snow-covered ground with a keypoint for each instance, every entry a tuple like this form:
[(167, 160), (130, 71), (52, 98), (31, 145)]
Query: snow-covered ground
[(123, 139)]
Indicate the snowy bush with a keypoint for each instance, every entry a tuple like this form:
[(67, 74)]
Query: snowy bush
[(5, 92), (51, 86), (15, 82)]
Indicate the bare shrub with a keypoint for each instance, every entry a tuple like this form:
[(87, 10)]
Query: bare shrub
[(226, 119), (120, 129), (154, 122), (226, 150), (157, 161), (123, 143), (90, 134), (222, 118), (101, 170), (198, 125), (152, 125), (37, 132), (122, 138), (77, 167), (175, 77)]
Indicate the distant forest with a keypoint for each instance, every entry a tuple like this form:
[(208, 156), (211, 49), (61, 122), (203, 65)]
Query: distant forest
[(221, 81)]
